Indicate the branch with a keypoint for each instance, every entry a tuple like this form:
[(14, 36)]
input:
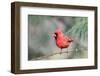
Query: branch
[(49, 55)]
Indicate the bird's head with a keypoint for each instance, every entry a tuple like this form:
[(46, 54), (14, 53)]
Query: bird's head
[(58, 32), (55, 35)]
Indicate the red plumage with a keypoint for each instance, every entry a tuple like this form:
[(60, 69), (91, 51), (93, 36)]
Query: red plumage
[(61, 40)]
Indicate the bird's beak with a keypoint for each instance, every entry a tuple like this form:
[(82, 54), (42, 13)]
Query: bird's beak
[(53, 35)]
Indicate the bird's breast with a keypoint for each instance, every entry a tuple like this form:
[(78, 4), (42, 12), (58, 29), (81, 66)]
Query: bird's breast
[(61, 43)]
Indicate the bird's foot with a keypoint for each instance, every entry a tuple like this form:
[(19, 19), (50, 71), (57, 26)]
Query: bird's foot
[(60, 53)]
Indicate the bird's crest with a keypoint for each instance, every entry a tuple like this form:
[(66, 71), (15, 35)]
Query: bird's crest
[(58, 30)]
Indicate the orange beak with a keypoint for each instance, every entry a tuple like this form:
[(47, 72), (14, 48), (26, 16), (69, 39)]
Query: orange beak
[(53, 35)]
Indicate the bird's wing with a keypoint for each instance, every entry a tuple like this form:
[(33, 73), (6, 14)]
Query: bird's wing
[(66, 38)]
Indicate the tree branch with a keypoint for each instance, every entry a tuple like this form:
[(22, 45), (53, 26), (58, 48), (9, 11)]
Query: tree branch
[(49, 55)]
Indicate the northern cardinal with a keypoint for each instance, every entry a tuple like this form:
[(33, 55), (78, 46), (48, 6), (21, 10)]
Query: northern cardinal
[(61, 40)]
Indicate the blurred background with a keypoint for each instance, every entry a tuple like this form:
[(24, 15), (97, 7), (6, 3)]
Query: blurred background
[(41, 44)]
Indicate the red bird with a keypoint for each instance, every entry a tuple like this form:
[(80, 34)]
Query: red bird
[(62, 41)]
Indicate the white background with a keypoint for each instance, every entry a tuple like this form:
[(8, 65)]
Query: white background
[(5, 41)]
